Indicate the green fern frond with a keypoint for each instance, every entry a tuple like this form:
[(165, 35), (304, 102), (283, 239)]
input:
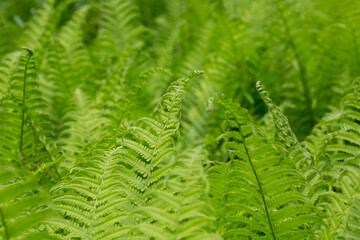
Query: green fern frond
[(24, 207), (155, 137), (341, 201), (82, 124), (283, 133), (178, 207), (102, 185), (122, 105), (120, 28), (38, 29), (91, 199), (295, 46), (251, 196), (25, 126), (7, 67), (77, 58)]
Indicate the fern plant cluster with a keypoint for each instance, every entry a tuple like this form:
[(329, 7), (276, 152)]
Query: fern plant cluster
[(153, 119)]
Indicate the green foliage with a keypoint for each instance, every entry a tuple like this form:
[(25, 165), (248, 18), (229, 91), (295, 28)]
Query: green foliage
[(108, 131), (24, 207), (259, 195)]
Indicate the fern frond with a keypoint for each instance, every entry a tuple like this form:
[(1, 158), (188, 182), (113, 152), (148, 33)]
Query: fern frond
[(120, 28), (250, 197), (77, 58), (91, 199), (7, 67), (283, 133), (122, 105), (104, 185), (26, 130), (39, 28), (178, 209), (24, 207), (153, 137), (296, 46), (81, 125), (341, 201)]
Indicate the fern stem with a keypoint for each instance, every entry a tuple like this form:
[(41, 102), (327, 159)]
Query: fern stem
[(23, 104), (259, 184), (3, 223)]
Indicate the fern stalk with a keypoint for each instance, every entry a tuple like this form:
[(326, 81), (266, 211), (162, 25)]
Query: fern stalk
[(23, 100), (3, 223), (258, 183)]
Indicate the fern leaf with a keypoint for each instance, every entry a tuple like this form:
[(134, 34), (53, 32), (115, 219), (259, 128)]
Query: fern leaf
[(251, 193), (177, 209), (24, 111), (90, 196), (342, 199), (24, 207)]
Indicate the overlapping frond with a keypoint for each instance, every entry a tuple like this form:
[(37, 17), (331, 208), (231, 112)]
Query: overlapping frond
[(77, 118), (38, 29), (91, 199), (25, 126), (256, 191), (7, 67), (120, 29), (151, 141), (121, 105), (178, 208), (24, 207), (75, 56), (115, 179), (341, 149), (283, 133), (81, 125)]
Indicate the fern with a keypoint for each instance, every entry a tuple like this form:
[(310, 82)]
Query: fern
[(6, 68), (90, 197), (81, 125), (130, 164), (23, 111), (283, 132), (179, 209), (93, 114), (149, 154), (342, 150), (37, 33), (24, 207), (257, 186), (74, 52), (120, 28)]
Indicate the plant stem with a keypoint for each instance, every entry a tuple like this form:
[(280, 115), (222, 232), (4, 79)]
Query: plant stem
[(23, 104), (259, 184), (6, 230)]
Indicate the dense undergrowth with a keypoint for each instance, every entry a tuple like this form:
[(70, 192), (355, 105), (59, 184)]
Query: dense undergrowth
[(153, 119)]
